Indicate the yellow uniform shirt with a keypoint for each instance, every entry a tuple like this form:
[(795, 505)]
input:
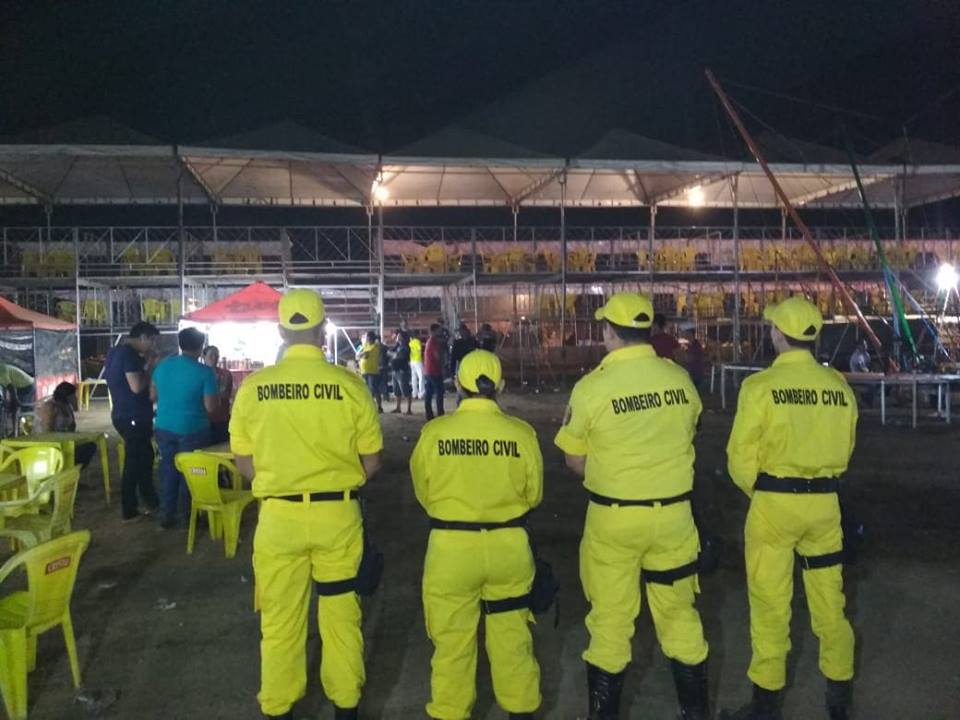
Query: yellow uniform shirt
[(477, 465), (794, 419), (416, 350), (370, 363), (305, 422), (634, 417)]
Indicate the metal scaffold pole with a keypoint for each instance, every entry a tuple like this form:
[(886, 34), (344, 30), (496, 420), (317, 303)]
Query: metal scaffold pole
[(181, 242), (76, 293), (380, 268), (735, 188), (563, 268), (650, 236)]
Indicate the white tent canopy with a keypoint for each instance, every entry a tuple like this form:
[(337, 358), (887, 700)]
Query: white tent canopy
[(286, 165)]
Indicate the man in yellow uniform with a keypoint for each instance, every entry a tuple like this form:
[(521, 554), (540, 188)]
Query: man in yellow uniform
[(478, 473), (629, 432), (369, 358), (312, 435), (792, 438)]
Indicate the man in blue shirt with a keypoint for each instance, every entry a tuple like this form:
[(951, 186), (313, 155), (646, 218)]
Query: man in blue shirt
[(127, 372), (185, 391)]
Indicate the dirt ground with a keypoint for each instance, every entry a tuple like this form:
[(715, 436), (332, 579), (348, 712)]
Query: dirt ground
[(177, 637)]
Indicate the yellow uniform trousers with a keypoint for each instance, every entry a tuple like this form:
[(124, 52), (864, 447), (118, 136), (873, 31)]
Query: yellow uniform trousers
[(295, 544), (779, 524), (617, 543), (461, 568)]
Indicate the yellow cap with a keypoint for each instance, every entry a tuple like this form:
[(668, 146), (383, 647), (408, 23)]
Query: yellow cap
[(627, 309), (476, 364), (300, 310), (795, 317)]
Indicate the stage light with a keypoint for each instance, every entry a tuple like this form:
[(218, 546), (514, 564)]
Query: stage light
[(331, 327), (947, 277), (695, 197)]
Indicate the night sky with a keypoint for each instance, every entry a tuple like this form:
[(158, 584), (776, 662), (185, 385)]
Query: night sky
[(550, 75)]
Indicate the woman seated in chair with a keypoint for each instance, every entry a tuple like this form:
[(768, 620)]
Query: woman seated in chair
[(56, 414)]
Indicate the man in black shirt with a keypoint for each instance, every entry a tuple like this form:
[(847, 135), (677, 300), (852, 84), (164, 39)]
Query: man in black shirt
[(127, 372), (400, 364), (463, 344)]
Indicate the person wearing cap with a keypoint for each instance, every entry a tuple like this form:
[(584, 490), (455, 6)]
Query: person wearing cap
[(313, 435), (628, 430), (792, 438), (478, 473)]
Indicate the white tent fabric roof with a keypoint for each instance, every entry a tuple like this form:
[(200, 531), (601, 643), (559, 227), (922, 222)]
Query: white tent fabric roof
[(286, 165)]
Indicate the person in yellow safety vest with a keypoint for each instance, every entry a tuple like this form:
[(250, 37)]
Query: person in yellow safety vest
[(416, 365), (629, 430), (369, 361), (792, 438), (312, 434), (478, 473)]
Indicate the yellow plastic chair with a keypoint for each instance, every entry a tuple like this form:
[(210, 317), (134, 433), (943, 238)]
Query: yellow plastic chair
[(414, 263), (552, 260), (224, 508), (67, 310), (131, 261), (59, 263), (28, 529), (93, 312), (435, 257), (51, 569), (163, 262), (35, 463), (153, 310), (30, 263)]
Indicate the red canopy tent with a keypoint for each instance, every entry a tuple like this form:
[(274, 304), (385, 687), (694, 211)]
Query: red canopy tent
[(255, 303), (243, 326), (42, 346)]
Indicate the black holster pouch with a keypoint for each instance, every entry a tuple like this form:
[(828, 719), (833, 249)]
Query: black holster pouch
[(368, 576), (708, 561)]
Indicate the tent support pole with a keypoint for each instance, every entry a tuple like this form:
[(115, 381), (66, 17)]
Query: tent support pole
[(213, 220), (563, 276), (4, 244), (735, 187), (380, 269), (181, 242), (76, 293)]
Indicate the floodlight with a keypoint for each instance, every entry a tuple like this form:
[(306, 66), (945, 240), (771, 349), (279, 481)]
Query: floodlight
[(947, 277), (695, 197), (331, 327), (380, 191)]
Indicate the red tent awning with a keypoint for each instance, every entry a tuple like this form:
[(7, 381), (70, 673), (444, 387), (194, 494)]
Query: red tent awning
[(257, 302), (14, 316)]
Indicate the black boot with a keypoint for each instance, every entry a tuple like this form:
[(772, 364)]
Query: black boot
[(340, 713), (604, 689), (764, 706), (838, 699), (521, 716), (691, 682)]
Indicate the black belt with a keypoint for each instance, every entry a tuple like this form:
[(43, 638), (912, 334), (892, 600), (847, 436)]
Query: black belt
[(318, 496), (517, 522), (604, 500), (669, 577), (768, 483)]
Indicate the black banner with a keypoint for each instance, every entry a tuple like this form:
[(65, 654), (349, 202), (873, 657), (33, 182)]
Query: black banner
[(16, 348)]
